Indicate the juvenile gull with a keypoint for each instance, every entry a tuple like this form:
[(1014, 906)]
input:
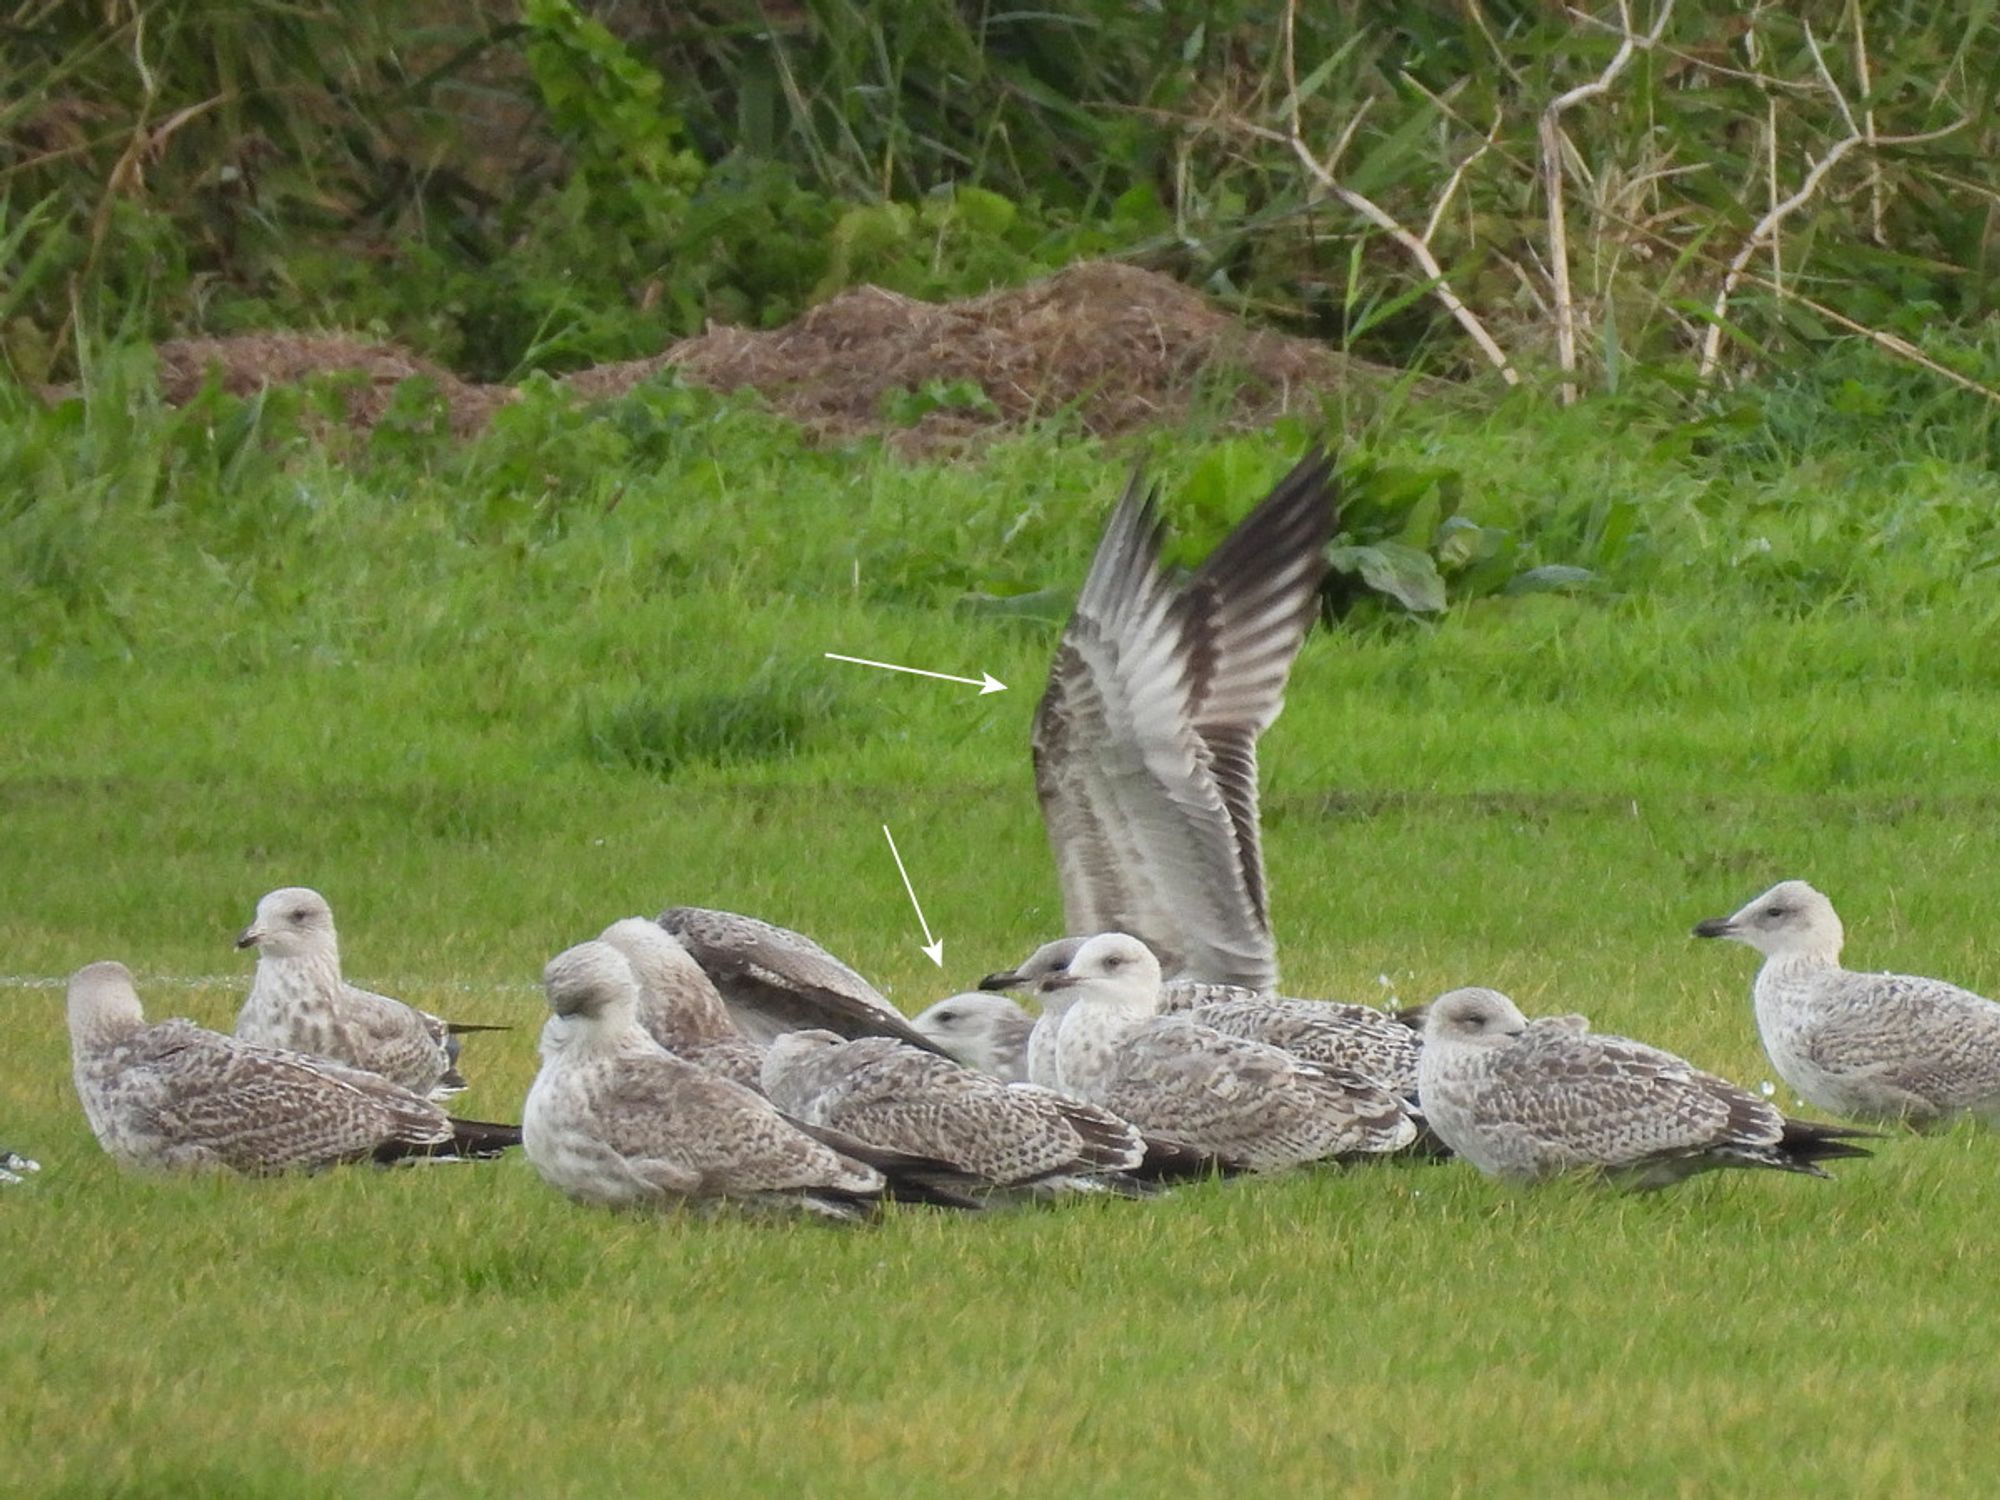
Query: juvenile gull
[(1868, 1046), (176, 1096), (1357, 1037), (1253, 1107), (1526, 1103), (1145, 742), (775, 980), (896, 1097), (615, 1119), (678, 1006), (987, 1032), (13, 1165), (299, 1002)]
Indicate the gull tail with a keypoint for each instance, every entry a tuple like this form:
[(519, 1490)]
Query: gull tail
[(471, 1140), (1805, 1144)]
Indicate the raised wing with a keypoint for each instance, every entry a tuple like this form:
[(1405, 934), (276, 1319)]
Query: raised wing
[(1145, 739)]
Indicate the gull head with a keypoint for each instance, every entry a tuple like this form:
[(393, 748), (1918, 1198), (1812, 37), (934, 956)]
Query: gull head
[(103, 1005), (1113, 968), (291, 923), (591, 983), (1477, 1017), (788, 1074), (1037, 968), (977, 1029), (1789, 920)]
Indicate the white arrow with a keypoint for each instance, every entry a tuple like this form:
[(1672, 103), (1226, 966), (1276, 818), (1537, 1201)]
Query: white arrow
[(986, 682), (933, 950)]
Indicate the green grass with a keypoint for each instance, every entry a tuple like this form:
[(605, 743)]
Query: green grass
[(394, 677)]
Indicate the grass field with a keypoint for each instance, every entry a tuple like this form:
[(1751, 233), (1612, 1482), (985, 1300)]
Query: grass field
[(489, 701)]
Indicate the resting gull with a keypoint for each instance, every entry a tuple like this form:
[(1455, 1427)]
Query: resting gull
[(14, 1166), (299, 1002), (1145, 742), (892, 1096), (1251, 1106), (775, 980), (177, 1096), (615, 1119), (678, 1005), (1358, 1037), (987, 1032), (1868, 1046), (1526, 1103)]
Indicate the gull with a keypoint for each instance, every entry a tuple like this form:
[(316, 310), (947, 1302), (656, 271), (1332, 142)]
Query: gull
[(299, 1002), (775, 980), (177, 1096), (893, 1096), (1145, 742), (1867, 1046), (1525, 1103), (1357, 1037), (13, 1166), (615, 1119), (987, 1032), (1252, 1107), (678, 1005)]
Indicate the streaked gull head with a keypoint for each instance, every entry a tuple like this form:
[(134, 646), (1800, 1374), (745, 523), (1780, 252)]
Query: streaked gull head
[(103, 1005), (1789, 920), (1113, 968), (1033, 971), (291, 923), (591, 982), (982, 1031), (1475, 1017)]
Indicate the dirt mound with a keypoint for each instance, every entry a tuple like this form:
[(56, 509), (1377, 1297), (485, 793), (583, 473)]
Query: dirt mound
[(367, 374), (1115, 346)]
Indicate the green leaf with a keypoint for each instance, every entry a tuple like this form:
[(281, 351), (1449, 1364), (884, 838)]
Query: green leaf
[(1401, 572)]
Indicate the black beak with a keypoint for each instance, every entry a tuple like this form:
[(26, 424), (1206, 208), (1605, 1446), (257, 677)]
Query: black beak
[(1716, 927), (1062, 979), (247, 938), (1011, 979)]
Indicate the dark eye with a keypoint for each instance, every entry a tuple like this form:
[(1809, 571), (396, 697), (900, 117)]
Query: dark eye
[(1774, 911), (947, 1015), (1113, 960)]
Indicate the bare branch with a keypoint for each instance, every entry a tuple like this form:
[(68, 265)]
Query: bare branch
[(1549, 133), (1901, 347), (1767, 226), (1457, 176), (1373, 212)]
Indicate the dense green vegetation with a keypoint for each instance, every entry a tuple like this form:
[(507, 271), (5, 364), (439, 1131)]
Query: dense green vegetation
[(537, 186)]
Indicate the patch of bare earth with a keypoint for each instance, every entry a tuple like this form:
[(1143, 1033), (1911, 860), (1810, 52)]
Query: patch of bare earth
[(1110, 346)]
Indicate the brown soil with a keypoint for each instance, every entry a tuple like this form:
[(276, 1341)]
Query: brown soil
[(1114, 346)]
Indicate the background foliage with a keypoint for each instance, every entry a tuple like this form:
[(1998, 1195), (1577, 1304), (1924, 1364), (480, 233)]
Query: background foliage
[(536, 187)]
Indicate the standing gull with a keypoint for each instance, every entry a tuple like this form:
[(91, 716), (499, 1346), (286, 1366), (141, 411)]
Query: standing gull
[(615, 1119), (678, 1006), (775, 980), (896, 1097), (179, 1097), (1145, 742), (1868, 1046), (299, 1002), (1526, 1103), (1251, 1106), (1358, 1037)]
